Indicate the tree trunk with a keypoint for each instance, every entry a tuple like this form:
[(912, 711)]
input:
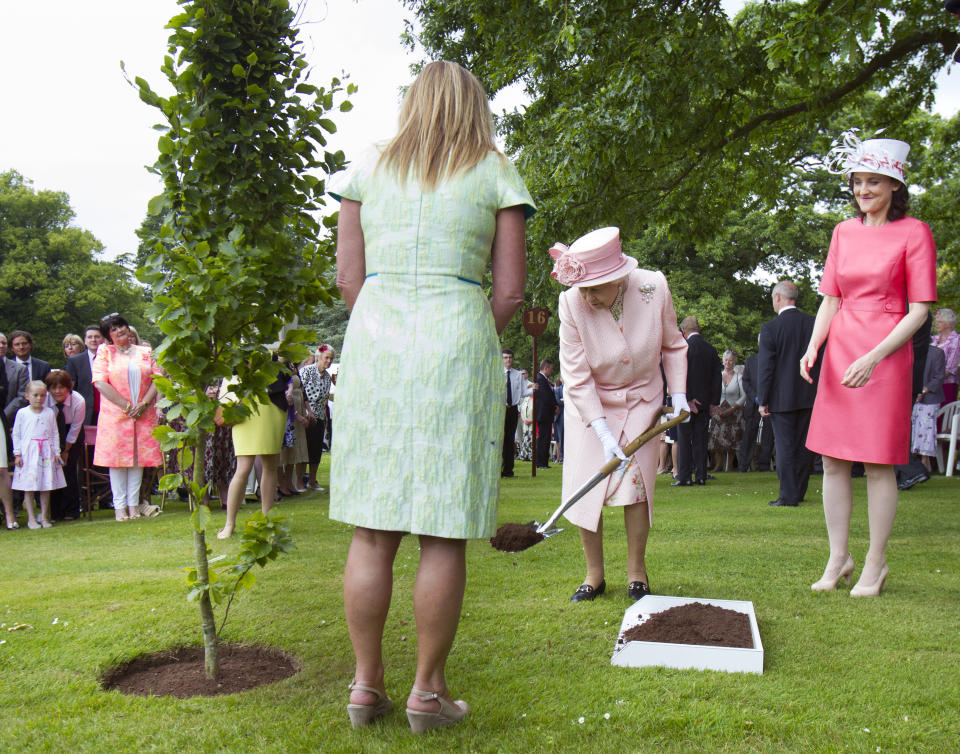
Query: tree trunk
[(211, 657)]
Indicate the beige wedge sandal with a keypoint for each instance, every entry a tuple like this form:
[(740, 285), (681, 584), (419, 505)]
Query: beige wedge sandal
[(420, 722), (364, 714)]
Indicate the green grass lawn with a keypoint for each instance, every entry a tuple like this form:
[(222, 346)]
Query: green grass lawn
[(840, 674)]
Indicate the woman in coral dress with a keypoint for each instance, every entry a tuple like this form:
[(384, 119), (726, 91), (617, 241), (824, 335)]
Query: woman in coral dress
[(878, 283), (123, 373)]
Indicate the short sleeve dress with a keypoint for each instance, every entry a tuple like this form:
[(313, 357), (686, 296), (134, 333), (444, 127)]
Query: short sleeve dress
[(421, 352), (876, 271)]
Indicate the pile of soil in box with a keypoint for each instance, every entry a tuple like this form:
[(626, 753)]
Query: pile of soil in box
[(695, 623), (179, 672), (515, 537)]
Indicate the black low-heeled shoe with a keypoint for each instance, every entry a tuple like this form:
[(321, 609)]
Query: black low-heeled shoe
[(637, 590), (585, 592)]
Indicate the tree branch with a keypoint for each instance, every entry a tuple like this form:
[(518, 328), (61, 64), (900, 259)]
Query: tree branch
[(896, 51)]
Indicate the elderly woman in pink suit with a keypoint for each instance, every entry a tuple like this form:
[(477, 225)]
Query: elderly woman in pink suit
[(617, 324), (123, 373)]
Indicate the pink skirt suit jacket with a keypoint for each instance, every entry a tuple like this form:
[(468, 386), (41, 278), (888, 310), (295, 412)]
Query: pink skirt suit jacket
[(616, 375), (121, 441)]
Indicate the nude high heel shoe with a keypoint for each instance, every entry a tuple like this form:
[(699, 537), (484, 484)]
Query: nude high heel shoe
[(872, 590), (829, 583), (420, 722), (364, 714)]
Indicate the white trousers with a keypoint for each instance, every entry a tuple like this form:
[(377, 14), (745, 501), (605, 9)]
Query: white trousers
[(125, 485)]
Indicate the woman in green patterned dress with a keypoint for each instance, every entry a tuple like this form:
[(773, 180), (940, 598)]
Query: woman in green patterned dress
[(420, 222)]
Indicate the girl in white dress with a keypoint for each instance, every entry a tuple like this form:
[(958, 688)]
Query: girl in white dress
[(35, 446)]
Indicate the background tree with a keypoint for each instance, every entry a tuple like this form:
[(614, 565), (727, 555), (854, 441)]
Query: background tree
[(691, 131), (238, 251), (51, 279)]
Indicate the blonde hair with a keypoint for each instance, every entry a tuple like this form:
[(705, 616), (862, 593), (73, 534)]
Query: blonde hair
[(445, 126), (35, 385), (72, 339)]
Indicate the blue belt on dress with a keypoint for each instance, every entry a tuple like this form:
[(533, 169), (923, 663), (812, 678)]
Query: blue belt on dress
[(458, 277)]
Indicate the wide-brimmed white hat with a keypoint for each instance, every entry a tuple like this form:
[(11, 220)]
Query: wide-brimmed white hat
[(883, 156), (593, 259)]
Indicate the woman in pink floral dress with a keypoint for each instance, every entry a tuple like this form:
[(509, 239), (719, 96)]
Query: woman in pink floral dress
[(123, 373)]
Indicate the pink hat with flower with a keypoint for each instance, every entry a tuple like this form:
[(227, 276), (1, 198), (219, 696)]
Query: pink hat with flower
[(593, 259)]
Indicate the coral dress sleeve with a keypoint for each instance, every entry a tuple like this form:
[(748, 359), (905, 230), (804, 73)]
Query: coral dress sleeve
[(921, 265), (828, 283), (101, 365)]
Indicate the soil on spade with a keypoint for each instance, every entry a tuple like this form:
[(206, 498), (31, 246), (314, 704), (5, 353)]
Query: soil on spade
[(515, 538), (695, 623), (179, 672)]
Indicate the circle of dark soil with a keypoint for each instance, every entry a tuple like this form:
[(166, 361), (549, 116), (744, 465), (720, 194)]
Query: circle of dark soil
[(695, 623), (179, 672)]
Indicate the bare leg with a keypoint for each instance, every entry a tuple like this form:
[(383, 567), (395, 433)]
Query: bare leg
[(437, 600), (636, 520), (663, 450), (592, 542), (45, 506), (238, 486), (298, 476), (28, 507), (881, 511), (367, 588), (673, 457), (6, 495), (837, 504), (312, 473), (268, 481)]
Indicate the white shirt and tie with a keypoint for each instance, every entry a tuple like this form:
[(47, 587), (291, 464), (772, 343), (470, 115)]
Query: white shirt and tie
[(517, 387)]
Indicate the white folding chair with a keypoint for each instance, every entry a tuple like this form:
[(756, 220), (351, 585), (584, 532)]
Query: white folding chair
[(949, 420)]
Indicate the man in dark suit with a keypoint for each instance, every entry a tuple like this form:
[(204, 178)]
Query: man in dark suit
[(80, 369), (546, 408), (784, 396), (21, 343), (517, 388), (753, 425), (17, 379), (703, 392)]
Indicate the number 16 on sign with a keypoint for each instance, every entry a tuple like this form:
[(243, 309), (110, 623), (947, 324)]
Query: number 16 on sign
[(534, 324)]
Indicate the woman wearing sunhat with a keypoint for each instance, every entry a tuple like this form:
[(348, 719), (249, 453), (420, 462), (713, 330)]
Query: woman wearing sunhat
[(877, 285), (617, 324)]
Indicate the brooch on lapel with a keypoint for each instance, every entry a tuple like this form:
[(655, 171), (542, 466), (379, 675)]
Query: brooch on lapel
[(646, 291)]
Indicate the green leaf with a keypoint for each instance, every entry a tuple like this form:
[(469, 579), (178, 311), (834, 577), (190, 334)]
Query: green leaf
[(200, 518), (252, 58), (170, 482), (165, 144), (238, 71)]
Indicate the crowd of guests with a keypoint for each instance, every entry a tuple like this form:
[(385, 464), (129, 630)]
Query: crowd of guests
[(104, 396), (740, 432), (533, 422)]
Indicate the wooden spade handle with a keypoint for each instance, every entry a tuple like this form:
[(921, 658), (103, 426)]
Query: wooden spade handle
[(655, 428)]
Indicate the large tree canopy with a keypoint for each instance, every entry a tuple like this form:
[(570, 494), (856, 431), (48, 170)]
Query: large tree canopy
[(51, 279), (690, 131)]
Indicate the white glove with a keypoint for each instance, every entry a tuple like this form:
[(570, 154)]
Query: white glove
[(610, 446), (679, 403)]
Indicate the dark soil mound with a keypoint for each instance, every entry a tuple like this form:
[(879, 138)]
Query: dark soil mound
[(695, 623), (179, 672), (514, 538)]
